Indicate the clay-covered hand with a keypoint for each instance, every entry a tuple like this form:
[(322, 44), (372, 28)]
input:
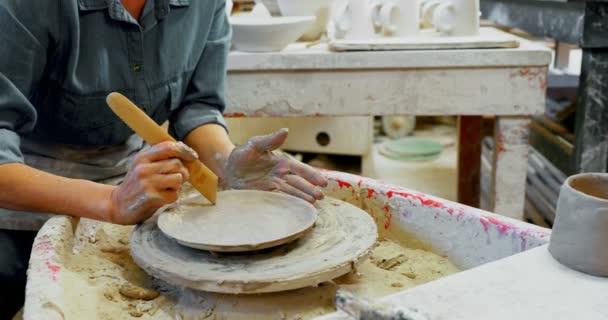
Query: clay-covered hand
[(153, 180), (254, 165)]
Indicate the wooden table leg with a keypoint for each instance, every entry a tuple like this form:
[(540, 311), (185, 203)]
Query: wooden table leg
[(469, 159), (510, 165)]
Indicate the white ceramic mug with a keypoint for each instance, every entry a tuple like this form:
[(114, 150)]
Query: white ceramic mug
[(457, 17), (352, 19), (427, 8), (400, 18)]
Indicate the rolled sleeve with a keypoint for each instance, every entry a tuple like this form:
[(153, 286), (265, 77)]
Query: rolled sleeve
[(204, 100), (22, 61), (194, 116), (9, 147)]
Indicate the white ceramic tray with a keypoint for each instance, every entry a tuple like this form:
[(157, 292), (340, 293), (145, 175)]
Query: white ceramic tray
[(487, 38)]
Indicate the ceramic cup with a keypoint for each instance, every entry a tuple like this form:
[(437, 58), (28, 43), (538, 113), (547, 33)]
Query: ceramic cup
[(580, 232), (352, 19), (457, 17), (427, 7), (399, 18)]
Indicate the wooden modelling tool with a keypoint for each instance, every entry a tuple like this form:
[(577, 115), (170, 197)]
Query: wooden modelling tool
[(201, 177)]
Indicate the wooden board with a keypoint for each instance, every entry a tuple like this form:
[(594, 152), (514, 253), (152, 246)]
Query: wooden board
[(343, 236), (487, 38), (242, 220)]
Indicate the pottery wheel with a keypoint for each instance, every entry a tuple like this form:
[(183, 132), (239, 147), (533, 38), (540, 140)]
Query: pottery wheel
[(343, 236), (242, 220)]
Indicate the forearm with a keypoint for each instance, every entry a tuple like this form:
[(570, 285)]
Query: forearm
[(24, 188), (213, 145)]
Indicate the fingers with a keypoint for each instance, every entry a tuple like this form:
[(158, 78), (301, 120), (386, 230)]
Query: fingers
[(166, 182), (167, 150), (304, 186), (263, 144), (286, 188), (307, 172), (169, 167)]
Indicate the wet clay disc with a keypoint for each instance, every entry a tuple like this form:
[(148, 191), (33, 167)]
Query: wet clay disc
[(342, 237), (241, 220)]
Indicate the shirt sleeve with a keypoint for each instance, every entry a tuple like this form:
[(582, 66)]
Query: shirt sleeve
[(22, 61), (204, 101)]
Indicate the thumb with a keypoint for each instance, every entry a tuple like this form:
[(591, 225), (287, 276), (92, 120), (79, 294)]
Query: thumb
[(263, 144)]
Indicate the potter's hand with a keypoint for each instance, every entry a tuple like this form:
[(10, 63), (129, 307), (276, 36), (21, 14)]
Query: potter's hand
[(154, 180), (254, 165)]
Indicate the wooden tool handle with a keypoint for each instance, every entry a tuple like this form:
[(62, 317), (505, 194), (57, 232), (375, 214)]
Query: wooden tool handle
[(201, 177)]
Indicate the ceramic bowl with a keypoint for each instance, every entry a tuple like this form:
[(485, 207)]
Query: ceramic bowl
[(253, 34), (317, 8)]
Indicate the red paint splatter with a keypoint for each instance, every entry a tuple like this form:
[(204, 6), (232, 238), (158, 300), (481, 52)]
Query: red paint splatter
[(235, 115), (370, 193), (54, 269), (542, 83), (389, 219), (451, 211), (342, 184), (423, 200), (387, 208), (359, 183), (500, 143)]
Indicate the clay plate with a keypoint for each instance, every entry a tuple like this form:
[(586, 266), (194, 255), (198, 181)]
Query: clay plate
[(342, 237), (241, 220)]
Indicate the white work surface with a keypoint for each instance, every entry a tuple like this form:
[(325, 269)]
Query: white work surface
[(529, 285), (300, 81)]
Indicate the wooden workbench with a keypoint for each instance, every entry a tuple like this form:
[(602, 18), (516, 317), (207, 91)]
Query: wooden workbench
[(508, 83)]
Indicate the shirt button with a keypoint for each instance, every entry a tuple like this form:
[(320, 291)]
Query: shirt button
[(136, 67)]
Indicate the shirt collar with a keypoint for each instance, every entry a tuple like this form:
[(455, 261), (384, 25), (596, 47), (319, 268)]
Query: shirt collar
[(90, 5), (116, 9)]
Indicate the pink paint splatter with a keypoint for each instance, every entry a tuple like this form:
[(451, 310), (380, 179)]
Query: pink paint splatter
[(42, 247), (502, 227), (451, 211), (342, 184), (54, 269), (485, 224), (359, 183)]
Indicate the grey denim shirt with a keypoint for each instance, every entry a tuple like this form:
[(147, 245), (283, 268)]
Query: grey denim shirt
[(59, 59)]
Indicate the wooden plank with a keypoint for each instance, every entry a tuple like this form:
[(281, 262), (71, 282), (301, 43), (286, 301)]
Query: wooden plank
[(559, 151), (469, 159), (532, 214)]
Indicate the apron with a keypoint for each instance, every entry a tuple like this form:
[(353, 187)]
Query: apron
[(105, 164)]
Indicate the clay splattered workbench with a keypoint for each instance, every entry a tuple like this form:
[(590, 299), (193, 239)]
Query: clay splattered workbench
[(508, 83)]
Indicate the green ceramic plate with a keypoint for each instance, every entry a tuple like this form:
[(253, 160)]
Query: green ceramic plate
[(412, 149)]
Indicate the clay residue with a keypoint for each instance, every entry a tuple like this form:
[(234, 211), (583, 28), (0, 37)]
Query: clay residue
[(94, 278)]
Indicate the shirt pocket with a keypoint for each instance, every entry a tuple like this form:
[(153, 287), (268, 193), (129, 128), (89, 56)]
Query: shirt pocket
[(87, 119), (84, 112)]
